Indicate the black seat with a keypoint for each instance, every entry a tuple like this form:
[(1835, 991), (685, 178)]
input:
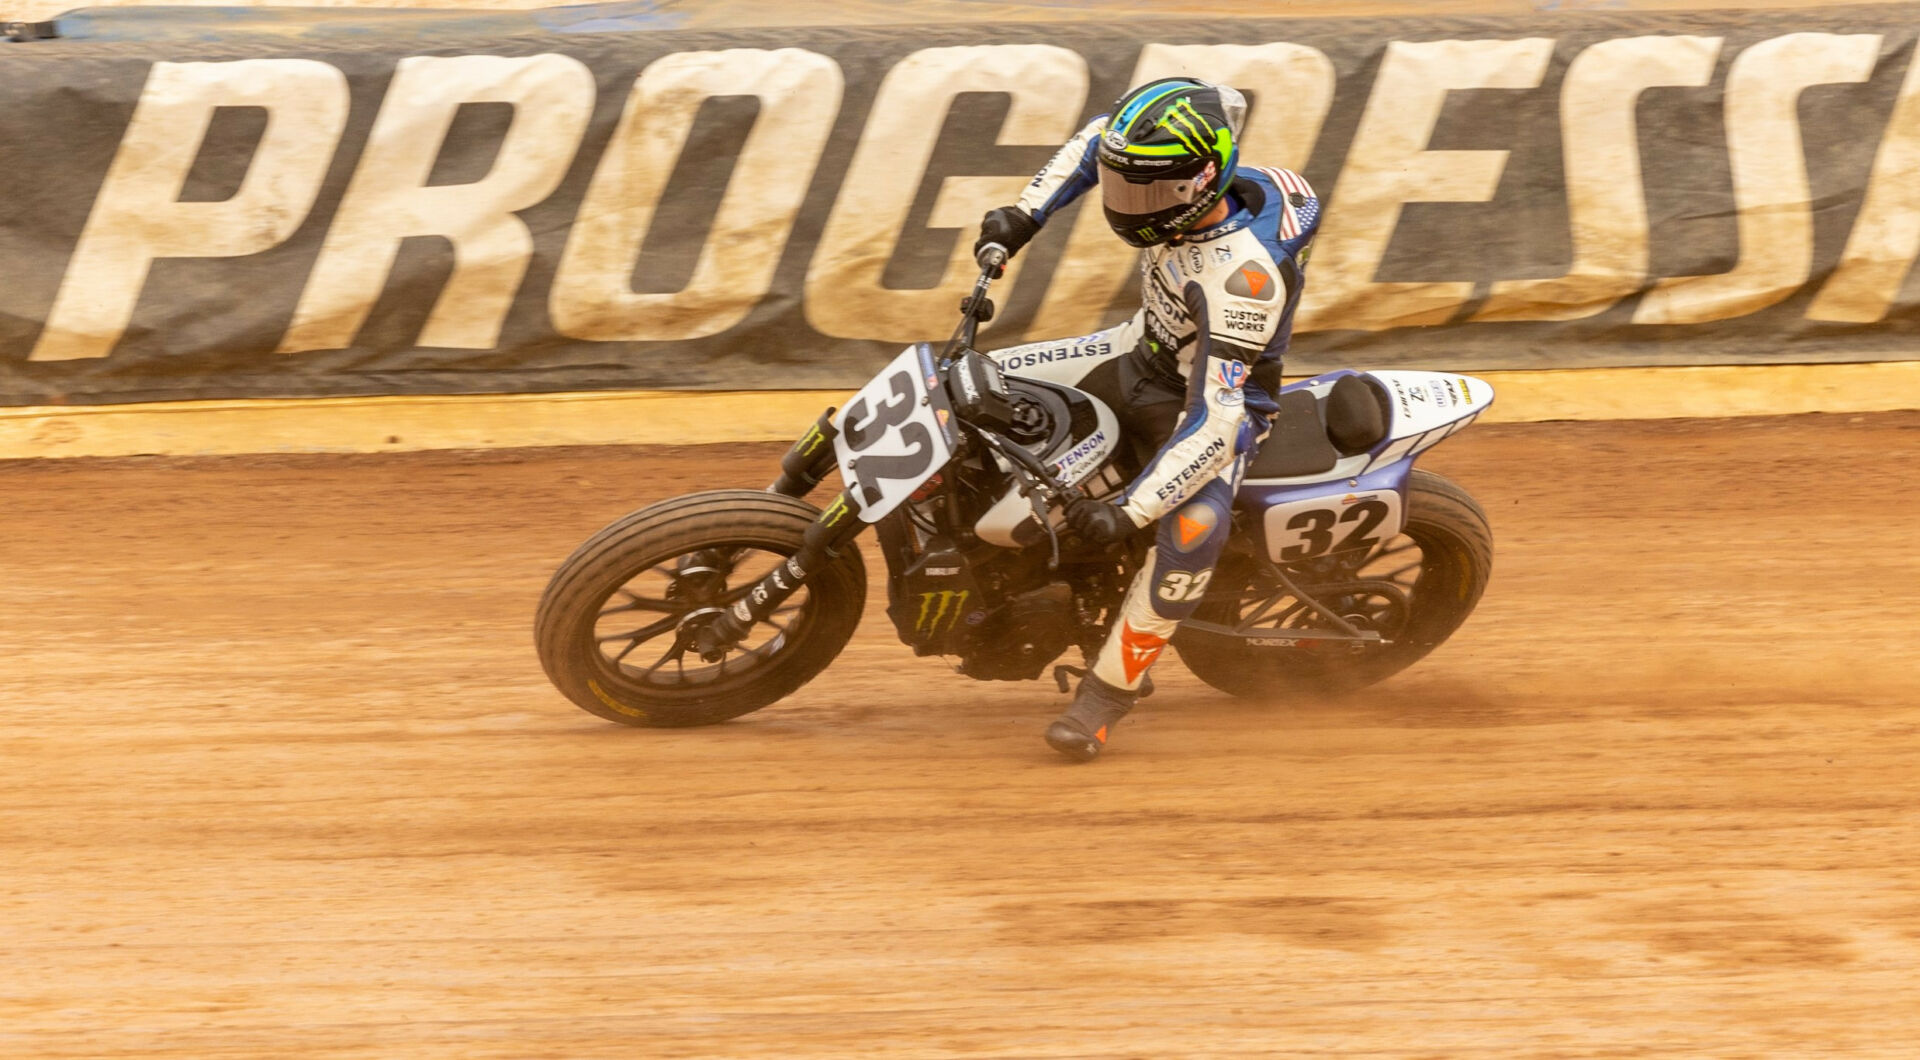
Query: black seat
[(1310, 436), (1358, 412), (1299, 444)]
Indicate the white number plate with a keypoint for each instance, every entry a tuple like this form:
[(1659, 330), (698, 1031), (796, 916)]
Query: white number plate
[(895, 434), (1334, 522)]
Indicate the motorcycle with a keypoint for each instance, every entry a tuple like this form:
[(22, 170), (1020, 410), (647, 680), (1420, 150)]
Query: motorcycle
[(1346, 563)]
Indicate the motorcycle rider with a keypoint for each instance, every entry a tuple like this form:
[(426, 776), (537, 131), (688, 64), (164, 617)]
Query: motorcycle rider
[(1225, 249)]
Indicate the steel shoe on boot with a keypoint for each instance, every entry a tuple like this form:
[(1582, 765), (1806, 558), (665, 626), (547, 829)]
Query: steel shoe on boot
[(1081, 732)]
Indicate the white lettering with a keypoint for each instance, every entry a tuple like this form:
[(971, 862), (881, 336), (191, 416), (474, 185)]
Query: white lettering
[(389, 198), (845, 296), (1886, 235), (593, 297), (138, 217), (1389, 166), (1770, 185), (1606, 196)]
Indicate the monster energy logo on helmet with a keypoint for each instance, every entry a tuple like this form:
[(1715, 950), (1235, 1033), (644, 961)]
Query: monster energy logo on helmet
[(1167, 156)]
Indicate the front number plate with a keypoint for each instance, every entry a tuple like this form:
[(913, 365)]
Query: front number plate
[(895, 434)]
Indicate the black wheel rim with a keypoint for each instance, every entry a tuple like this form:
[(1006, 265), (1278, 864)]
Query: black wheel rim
[(636, 627), (1371, 591)]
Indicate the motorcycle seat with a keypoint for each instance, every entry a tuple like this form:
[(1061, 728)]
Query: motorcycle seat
[(1311, 434), (1358, 412)]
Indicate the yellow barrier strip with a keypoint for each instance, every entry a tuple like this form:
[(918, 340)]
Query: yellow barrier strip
[(393, 424), (1702, 392)]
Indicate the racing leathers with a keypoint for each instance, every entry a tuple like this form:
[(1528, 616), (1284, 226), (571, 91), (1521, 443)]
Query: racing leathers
[(1194, 389)]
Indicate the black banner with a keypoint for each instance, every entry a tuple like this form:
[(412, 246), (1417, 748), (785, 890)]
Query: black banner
[(307, 203)]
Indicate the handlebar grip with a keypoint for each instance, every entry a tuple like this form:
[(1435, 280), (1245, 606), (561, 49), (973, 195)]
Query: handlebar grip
[(992, 256)]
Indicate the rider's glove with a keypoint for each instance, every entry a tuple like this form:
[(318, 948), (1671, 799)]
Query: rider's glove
[(1009, 226), (1098, 521)]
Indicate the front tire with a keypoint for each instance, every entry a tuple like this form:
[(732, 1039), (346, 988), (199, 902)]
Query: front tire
[(1440, 561), (653, 568)]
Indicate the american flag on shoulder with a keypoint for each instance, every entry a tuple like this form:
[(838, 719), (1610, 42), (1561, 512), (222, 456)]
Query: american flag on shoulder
[(1294, 219)]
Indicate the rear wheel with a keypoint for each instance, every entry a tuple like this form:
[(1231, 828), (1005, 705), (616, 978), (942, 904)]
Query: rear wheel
[(1413, 590), (608, 626)]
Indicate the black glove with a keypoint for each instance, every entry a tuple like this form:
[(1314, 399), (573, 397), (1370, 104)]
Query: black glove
[(1009, 226), (1098, 521)]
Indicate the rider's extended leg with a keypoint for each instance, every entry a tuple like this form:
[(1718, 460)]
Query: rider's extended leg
[(1167, 589)]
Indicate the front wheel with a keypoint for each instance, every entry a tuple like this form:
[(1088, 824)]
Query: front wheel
[(1413, 590), (608, 626)]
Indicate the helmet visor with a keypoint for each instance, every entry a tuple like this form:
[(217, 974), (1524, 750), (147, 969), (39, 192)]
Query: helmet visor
[(1149, 197)]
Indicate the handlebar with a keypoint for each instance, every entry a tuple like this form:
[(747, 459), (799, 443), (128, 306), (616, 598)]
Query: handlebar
[(992, 260), (975, 308), (1041, 486), (1018, 454)]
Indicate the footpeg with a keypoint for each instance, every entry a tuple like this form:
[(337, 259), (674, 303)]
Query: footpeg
[(1062, 676)]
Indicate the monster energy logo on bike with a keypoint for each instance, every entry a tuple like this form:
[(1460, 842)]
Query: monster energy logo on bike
[(938, 607), (835, 512)]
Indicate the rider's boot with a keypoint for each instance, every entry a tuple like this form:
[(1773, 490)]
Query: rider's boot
[(1081, 733)]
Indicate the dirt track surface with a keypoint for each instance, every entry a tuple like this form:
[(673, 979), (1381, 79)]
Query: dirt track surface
[(281, 777)]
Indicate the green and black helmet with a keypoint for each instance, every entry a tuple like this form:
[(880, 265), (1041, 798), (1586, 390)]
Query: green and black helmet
[(1169, 151)]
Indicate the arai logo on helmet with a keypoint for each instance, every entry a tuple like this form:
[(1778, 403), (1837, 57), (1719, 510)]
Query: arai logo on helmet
[(1116, 140)]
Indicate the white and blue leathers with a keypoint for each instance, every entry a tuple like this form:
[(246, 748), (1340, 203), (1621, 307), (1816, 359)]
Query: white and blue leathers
[(1216, 314)]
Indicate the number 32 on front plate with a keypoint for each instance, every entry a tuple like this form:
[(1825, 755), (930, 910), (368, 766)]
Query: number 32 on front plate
[(895, 433)]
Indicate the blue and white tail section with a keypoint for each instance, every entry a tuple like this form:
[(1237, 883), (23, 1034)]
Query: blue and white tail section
[(1358, 499), (1428, 407)]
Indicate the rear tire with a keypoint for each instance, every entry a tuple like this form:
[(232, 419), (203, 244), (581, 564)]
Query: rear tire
[(644, 557), (1456, 559)]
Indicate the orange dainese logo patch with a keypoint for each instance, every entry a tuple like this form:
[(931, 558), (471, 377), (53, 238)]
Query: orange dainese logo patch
[(1192, 524), (1138, 650), (1251, 280)]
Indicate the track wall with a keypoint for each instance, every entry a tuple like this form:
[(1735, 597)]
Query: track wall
[(225, 204)]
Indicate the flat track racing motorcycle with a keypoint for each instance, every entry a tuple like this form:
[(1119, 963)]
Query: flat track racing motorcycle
[(1346, 563)]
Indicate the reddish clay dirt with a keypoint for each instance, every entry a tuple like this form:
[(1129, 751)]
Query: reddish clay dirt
[(282, 778)]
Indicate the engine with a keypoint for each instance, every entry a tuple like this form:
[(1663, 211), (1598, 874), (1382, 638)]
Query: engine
[(974, 579), (1016, 641), (973, 604)]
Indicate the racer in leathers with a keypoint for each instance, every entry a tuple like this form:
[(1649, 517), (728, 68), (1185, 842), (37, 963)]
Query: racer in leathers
[(1225, 247)]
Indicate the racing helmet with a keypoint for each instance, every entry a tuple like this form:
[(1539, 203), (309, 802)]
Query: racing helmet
[(1167, 155)]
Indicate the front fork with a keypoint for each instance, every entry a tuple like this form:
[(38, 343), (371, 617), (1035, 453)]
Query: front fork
[(810, 460), (806, 463)]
